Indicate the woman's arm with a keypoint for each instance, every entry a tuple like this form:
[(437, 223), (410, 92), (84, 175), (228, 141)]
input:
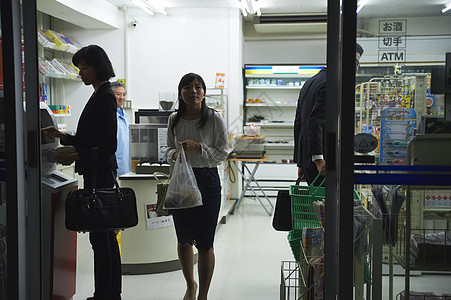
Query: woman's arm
[(218, 151), (171, 151)]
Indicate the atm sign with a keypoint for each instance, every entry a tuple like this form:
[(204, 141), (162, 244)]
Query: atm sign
[(392, 56)]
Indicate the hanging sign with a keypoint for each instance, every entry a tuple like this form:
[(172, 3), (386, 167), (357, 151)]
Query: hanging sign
[(390, 27), (392, 41), (364, 143), (397, 55)]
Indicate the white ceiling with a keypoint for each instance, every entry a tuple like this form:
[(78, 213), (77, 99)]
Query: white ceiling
[(373, 8)]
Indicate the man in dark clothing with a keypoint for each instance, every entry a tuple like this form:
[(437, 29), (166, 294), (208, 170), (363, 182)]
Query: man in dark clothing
[(309, 125)]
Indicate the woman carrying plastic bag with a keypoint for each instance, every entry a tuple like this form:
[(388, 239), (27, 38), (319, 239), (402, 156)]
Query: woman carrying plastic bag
[(183, 191), (202, 134)]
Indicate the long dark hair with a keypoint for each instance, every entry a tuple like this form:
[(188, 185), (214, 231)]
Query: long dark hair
[(97, 58), (205, 111)]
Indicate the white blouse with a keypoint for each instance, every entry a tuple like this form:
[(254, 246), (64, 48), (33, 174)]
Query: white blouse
[(212, 138)]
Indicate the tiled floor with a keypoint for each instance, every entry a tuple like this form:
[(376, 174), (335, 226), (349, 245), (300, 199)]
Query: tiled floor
[(248, 261)]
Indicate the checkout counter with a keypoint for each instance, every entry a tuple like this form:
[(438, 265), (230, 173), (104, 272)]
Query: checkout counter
[(151, 246)]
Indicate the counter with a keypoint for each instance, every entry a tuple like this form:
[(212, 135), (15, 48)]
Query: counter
[(143, 250)]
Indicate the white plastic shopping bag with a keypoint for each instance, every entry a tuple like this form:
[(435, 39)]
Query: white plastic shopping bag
[(183, 191)]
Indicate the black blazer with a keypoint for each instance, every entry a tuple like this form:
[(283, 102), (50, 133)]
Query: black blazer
[(310, 121), (97, 128)]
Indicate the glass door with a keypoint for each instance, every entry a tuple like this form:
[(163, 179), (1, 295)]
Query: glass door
[(20, 253)]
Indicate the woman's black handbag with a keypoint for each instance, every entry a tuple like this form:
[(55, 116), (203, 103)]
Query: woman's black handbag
[(282, 213), (100, 209)]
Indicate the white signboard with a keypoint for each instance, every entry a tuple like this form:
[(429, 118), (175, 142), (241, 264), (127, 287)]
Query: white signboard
[(390, 42), (162, 143), (393, 27), (397, 55), (153, 220)]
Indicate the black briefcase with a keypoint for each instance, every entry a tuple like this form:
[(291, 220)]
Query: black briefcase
[(101, 209), (282, 213)]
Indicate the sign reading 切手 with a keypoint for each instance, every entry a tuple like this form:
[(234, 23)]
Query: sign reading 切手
[(392, 41)]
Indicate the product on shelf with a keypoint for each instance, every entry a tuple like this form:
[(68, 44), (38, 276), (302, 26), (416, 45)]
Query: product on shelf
[(249, 146), (60, 109), (71, 72), (60, 71), (45, 40), (44, 66), (43, 97), (63, 42)]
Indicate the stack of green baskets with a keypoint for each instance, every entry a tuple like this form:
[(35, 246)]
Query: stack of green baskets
[(303, 214)]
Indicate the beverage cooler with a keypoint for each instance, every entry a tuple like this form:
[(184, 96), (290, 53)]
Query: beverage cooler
[(59, 245)]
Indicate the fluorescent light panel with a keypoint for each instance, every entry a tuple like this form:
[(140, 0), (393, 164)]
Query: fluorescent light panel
[(143, 6), (447, 7), (156, 7), (360, 5), (256, 7), (151, 9), (243, 7), (249, 7)]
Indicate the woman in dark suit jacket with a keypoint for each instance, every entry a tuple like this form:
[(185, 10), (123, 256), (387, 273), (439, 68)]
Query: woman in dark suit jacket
[(95, 143)]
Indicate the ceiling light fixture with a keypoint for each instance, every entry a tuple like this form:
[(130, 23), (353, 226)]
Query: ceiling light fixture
[(360, 5), (149, 8), (157, 7), (243, 7), (256, 7), (447, 7), (250, 7)]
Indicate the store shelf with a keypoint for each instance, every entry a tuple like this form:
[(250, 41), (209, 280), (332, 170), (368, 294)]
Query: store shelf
[(272, 124), (274, 87), (62, 115), (297, 76), (280, 145), (271, 104), (54, 76)]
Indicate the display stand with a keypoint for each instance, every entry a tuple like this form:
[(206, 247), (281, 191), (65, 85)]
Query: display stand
[(424, 171), (419, 153), (249, 179)]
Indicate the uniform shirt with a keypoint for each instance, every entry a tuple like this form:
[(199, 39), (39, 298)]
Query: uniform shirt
[(212, 138), (123, 138)]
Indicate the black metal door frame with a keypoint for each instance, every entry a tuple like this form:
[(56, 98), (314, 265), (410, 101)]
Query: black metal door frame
[(22, 150), (341, 36)]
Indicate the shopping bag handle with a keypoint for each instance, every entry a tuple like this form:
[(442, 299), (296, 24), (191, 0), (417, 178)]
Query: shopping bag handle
[(155, 174)]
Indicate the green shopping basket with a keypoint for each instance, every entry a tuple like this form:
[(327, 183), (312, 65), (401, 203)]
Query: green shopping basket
[(302, 198)]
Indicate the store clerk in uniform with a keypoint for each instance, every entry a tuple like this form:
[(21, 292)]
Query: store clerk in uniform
[(123, 136)]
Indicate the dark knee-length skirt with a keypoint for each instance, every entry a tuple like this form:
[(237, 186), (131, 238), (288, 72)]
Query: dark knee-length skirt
[(197, 225)]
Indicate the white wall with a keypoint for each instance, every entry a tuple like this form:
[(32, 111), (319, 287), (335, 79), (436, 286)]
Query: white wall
[(283, 48), (164, 48), (75, 93), (428, 40)]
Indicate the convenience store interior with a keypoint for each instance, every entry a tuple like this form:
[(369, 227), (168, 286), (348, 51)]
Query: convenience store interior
[(151, 53)]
